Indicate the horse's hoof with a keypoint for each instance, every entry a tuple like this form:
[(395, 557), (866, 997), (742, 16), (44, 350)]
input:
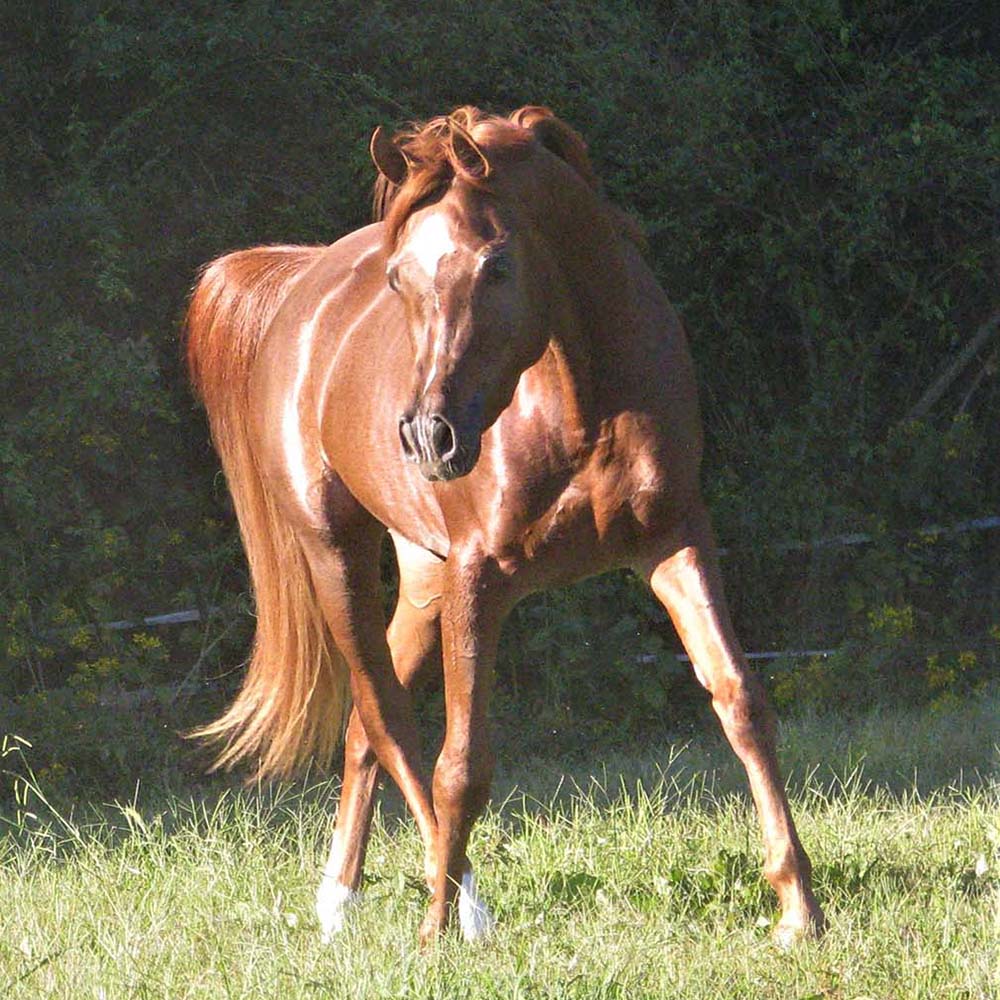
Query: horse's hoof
[(334, 901), (790, 931), (430, 929)]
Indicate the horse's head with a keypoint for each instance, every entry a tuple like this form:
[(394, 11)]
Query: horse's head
[(469, 267)]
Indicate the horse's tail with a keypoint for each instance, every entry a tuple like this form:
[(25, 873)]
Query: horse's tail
[(295, 696)]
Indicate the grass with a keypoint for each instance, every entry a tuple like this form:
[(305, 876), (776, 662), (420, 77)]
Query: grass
[(641, 881)]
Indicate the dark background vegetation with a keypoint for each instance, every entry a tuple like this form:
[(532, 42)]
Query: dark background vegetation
[(818, 181)]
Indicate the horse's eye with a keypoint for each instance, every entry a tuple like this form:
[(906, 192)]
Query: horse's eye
[(496, 266), (392, 276)]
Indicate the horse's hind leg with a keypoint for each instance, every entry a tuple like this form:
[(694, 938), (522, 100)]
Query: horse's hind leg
[(689, 585), (414, 637)]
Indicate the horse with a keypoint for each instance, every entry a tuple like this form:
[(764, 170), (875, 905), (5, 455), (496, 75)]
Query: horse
[(491, 374)]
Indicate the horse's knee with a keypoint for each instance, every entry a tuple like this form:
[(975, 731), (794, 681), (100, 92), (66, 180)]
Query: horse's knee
[(462, 780), (360, 755)]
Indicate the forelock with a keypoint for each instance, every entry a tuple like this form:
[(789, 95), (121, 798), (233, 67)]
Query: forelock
[(467, 145)]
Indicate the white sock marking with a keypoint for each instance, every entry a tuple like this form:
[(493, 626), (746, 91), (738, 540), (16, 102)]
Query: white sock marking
[(476, 920), (333, 902)]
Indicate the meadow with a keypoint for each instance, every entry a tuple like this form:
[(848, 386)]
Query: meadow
[(636, 874)]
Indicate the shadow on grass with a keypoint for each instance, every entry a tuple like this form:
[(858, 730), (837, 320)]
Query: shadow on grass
[(894, 753)]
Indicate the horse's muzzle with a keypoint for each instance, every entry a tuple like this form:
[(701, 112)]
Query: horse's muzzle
[(443, 449)]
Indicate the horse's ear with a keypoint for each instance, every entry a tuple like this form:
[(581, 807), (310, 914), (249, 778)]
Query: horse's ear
[(557, 137), (467, 154), (388, 157)]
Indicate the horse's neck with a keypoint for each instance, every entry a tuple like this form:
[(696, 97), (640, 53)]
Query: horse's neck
[(592, 345), (567, 367)]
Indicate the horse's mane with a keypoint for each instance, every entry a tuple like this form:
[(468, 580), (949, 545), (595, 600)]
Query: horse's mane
[(466, 144)]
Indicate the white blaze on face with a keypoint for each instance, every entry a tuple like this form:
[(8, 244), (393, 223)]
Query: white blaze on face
[(429, 242)]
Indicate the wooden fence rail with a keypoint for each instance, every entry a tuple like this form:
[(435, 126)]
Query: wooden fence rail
[(836, 541)]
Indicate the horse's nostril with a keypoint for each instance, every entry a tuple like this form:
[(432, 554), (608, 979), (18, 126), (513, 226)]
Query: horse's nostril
[(406, 438), (427, 439), (442, 438)]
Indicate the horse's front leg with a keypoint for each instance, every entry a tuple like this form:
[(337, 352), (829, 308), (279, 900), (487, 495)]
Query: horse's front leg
[(471, 618), (689, 585)]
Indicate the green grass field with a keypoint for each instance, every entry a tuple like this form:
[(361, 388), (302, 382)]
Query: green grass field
[(638, 877)]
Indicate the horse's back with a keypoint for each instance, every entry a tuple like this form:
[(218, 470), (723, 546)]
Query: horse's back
[(336, 278)]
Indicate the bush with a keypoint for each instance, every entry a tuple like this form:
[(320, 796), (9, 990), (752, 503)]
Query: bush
[(817, 182)]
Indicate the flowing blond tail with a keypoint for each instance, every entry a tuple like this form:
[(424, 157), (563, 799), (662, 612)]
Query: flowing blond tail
[(295, 697)]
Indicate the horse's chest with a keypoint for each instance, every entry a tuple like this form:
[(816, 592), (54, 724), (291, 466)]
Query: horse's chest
[(605, 514)]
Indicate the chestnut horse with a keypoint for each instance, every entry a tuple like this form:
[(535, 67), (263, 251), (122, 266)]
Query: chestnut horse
[(492, 374)]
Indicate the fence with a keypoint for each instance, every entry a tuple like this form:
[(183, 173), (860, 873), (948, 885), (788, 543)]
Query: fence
[(987, 523)]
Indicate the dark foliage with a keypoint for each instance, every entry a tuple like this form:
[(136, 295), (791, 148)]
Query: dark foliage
[(819, 186)]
